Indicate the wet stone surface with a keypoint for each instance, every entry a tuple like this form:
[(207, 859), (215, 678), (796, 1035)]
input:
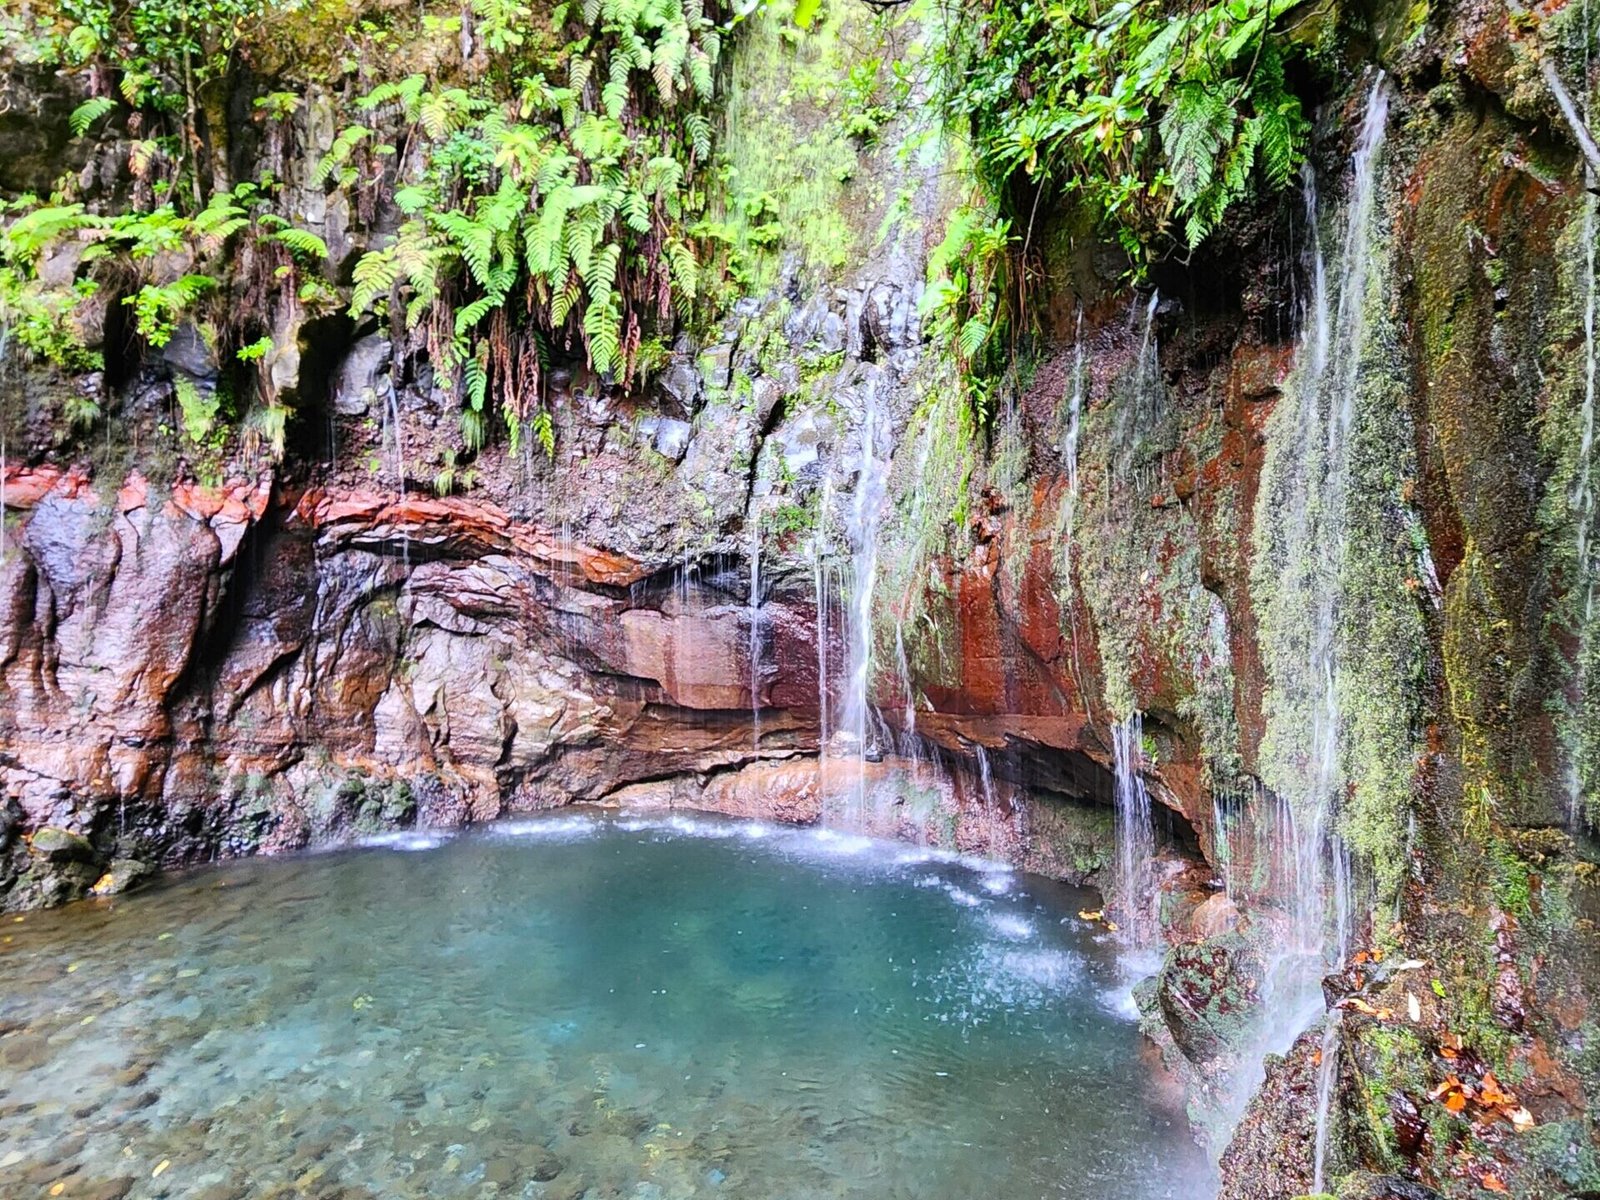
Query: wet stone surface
[(577, 1007)]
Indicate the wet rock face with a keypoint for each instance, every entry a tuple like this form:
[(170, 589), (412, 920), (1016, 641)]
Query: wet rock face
[(1271, 1156)]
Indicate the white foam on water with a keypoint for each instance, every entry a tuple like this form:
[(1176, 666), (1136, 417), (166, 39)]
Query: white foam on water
[(998, 884), (407, 840), (1010, 925), (554, 829), (963, 897)]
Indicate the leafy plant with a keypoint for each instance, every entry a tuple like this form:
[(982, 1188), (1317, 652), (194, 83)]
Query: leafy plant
[(564, 181), (1152, 120), (198, 408), (1144, 115)]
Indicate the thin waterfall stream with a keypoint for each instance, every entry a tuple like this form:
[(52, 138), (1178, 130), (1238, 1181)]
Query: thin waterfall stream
[(864, 516), (1304, 691), (755, 633), (1135, 836)]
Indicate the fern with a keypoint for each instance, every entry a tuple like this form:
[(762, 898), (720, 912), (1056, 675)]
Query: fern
[(683, 268), (1194, 131), (698, 130), (374, 277), (545, 431), (344, 145), (87, 113), (302, 242)]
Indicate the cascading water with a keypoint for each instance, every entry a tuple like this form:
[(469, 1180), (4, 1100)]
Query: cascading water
[(755, 631), (864, 515), (1069, 441), (1135, 836), (396, 431), (1333, 382), (1309, 500), (5, 358), (1582, 497), (1327, 1077), (1144, 406)]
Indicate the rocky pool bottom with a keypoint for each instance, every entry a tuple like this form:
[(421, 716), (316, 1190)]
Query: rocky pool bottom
[(585, 1006)]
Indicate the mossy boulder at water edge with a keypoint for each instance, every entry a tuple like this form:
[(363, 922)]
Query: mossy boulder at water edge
[(1208, 992), (60, 845)]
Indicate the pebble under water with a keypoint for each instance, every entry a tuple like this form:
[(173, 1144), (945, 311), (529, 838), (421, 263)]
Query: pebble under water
[(582, 1005)]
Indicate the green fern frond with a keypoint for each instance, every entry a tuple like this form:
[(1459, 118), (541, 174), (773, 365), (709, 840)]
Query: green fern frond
[(87, 113), (302, 242)]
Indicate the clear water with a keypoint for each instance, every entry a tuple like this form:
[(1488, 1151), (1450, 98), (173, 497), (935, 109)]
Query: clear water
[(582, 1006)]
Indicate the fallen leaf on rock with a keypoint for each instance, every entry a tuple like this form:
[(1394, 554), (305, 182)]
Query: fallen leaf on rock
[(1492, 1094), (1357, 1004), (1493, 1183)]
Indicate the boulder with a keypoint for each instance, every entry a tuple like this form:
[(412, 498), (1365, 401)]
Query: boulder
[(1208, 992), (56, 845)]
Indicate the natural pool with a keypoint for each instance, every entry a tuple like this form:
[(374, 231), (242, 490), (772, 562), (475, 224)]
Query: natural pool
[(581, 1005)]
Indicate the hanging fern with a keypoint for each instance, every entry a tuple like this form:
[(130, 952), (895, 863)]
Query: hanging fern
[(581, 216)]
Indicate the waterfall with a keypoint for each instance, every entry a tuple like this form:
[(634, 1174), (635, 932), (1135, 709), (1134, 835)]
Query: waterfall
[(1312, 497), (755, 631), (1300, 570), (1135, 836), (819, 580), (5, 358), (1142, 410), (1069, 446), (1327, 1077), (903, 667), (865, 513), (391, 419), (1582, 499)]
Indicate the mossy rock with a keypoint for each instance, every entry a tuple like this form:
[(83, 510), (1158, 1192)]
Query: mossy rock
[(56, 845), (1208, 992), (122, 875)]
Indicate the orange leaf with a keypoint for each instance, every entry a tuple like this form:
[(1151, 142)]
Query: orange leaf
[(1492, 1183), (1455, 1102)]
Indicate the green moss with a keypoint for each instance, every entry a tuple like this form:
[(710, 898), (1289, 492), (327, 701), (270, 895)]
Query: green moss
[(1362, 546)]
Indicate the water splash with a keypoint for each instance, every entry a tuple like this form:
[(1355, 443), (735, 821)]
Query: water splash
[(1135, 835)]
